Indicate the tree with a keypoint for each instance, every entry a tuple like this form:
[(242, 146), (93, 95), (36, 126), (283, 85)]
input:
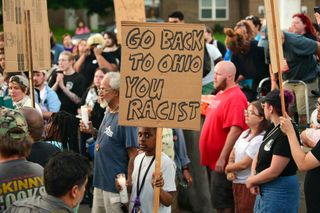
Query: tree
[(93, 6)]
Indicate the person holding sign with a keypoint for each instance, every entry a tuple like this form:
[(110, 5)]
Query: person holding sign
[(143, 179), (116, 148), (223, 125), (273, 175), (309, 162)]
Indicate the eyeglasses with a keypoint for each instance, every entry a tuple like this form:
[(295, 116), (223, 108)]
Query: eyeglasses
[(247, 112), (147, 135), (104, 90)]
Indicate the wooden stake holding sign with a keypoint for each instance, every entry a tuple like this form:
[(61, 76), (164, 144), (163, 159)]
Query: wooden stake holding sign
[(275, 44), (156, 194), (161, 72), (29, 53), (26, 37)]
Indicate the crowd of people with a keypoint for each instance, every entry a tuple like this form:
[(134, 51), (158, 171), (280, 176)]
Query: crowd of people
[(249, 151)]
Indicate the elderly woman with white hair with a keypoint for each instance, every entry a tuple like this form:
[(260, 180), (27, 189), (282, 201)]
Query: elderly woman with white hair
[(18, 89)]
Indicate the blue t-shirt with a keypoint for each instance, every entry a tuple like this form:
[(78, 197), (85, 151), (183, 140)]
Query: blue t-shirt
[(111, 158)]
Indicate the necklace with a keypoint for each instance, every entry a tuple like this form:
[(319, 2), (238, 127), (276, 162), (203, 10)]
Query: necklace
[(274, 130), (108, 130)]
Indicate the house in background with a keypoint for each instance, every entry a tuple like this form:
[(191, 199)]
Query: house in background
[(225, 13)]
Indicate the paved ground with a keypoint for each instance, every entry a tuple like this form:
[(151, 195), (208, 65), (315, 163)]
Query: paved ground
[(302, 209)]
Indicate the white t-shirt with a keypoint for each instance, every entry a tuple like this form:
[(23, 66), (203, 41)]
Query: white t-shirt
[(168, 170), (244, 147), (214, 54)]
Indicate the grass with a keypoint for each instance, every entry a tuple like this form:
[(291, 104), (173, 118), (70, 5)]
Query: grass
[(59, 31), (220, 37)]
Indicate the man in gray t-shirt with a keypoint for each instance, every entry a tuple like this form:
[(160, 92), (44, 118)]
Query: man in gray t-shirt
[(19, 178)]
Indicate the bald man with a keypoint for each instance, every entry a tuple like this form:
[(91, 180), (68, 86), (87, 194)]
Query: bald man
[(40, 151), (223, 125)]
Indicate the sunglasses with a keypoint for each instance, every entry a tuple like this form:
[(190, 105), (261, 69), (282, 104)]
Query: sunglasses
[(18, 80)]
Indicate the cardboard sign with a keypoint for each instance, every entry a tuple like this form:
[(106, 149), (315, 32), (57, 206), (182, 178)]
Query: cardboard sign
[(161, 72), (128, 10), (15, 34), (274, 35)]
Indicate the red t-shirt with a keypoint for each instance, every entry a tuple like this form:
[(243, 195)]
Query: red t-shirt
[(225, 110)]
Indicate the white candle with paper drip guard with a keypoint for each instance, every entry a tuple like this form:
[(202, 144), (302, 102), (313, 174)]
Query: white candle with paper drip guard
[(85, 115), (121, 178)]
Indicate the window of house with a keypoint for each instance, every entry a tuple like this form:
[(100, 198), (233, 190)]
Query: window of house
[(213, 9)]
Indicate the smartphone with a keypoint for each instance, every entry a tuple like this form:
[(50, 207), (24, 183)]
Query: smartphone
[(316, 9)]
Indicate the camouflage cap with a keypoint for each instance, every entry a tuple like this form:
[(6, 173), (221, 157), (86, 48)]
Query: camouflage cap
[(14, 123)]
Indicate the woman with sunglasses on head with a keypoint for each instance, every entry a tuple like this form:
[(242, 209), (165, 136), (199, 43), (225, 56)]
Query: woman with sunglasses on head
[(238, 168), (18, 89), (273, 176)]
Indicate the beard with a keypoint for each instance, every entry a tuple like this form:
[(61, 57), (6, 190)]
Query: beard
[(222, 86)]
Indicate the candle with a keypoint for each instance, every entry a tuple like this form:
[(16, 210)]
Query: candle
[(121, 178)]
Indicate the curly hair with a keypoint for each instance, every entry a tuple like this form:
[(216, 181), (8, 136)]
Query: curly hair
[(235, 41)]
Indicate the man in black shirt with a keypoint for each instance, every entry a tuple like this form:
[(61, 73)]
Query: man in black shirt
[(68, 84), (90, 60)]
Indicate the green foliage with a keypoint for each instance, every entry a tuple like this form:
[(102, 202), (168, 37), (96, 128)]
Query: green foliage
[(220, 37), (59, 31), (56, 4), (218, 28), (98, 6), (93, 6)]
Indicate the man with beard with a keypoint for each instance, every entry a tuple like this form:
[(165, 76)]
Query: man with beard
[(47, 98), (223, 125), (111, 46), (116, 148)]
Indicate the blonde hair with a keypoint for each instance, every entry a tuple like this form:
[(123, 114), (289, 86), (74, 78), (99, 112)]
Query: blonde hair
[(68, 54)]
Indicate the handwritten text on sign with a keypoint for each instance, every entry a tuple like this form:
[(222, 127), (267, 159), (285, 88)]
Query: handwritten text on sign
[(161, 74)]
